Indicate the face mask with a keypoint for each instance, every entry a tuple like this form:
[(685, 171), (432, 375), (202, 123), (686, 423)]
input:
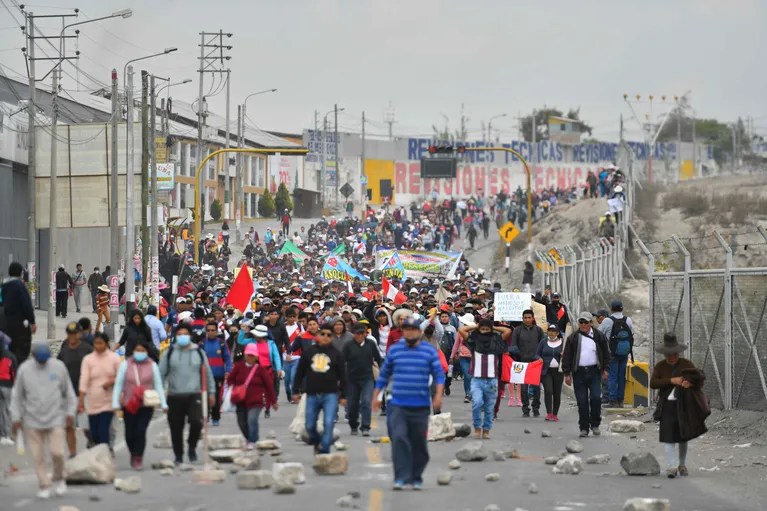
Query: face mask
[(183, 340), (140, 356), (42, 357)]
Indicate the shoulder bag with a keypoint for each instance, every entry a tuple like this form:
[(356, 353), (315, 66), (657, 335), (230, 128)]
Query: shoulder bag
[(239, 392)]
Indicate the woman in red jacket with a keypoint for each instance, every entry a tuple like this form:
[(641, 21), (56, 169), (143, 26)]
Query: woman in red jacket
[(259, 394)]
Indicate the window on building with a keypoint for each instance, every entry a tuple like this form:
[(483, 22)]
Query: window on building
[(192, 152), (182, 195)]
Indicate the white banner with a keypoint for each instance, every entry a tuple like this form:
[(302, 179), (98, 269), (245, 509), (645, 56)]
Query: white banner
[(509, 306)]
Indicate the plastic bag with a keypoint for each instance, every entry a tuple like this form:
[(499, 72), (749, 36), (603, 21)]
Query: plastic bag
[(226, 404)]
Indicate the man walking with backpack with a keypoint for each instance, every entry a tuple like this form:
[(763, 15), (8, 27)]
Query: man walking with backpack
[(618, 330)]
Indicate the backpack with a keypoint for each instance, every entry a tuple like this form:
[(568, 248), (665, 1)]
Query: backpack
[(7, 373), (621, 336)]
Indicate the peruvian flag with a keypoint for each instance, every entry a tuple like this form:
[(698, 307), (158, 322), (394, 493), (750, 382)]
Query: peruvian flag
[(394, 294), (242, 290), (349, 285), (526, 373)]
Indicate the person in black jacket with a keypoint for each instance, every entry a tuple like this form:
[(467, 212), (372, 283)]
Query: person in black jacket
[(523, 347), (359, 354), (19, 313), (556, 313), (323, 368), (585, 358), (137, 331), (63, 284)]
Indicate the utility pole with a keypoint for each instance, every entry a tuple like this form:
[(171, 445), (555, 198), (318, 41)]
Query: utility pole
[(227, 185), (238, 176), (389, 119), (147, 138), (363, 188), (152, 241), (130, 234), (31, 159), (318, 178), (338, 163), (212, 60), (52, 220), (535, 142), (679, 139), (694, 146), (324, 142), (114, 227), (621, 129)]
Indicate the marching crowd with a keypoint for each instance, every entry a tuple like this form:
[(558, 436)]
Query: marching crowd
[(344, 348)]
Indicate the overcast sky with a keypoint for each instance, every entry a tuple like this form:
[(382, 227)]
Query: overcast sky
[(427, 57)]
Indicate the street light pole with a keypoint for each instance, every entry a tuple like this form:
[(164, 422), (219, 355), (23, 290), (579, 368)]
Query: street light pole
[(239, 171)]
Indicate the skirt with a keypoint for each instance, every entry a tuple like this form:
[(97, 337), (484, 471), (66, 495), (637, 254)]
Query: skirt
[(669, 424)]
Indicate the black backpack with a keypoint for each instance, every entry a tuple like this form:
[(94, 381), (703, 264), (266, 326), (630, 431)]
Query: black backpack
[(621, 336)]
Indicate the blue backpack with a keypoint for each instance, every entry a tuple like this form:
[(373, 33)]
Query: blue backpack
[(621, 336)]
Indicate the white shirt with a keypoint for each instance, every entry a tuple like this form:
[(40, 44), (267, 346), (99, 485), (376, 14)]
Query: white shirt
[(555, 344), (588, 351)]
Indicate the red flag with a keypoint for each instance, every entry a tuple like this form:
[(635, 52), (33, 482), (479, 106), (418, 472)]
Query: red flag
[(242, 290), (392, 293), (526, 373)]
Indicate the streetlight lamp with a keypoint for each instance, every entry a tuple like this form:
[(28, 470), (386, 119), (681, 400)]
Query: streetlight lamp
[(490, 124), (52, 219), (240, 201), (129, 178)]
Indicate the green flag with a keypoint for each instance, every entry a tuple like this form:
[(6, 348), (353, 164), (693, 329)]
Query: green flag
[(290, 248), (339, 250)]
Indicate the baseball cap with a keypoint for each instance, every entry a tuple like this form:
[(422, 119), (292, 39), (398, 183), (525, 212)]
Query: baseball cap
[(251, 349), (616, 304), (410, 322), (601, 313), (586, 316)]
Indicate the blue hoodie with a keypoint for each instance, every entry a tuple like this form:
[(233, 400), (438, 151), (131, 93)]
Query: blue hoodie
[(219, 358)]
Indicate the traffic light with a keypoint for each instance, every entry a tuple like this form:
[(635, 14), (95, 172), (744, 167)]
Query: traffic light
[(441, 149)]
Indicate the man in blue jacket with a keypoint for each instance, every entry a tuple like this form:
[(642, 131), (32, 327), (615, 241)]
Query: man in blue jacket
[(220, 361)]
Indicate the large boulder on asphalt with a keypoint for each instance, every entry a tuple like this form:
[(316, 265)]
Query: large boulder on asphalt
[(473, 451), (249, 461), (225, 455), (94, 466), (254, 479), (570, 464), (626, 426), (128, 485), (284, 487), (268, 444), (444, 479), (217, 442), (441, 427), (640, 464), (333, 464), (641, 504), (574, 447), (598, 459), (293, 472)]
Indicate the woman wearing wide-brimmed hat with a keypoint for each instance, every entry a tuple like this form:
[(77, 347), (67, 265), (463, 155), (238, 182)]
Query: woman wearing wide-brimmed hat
[(672, 376)]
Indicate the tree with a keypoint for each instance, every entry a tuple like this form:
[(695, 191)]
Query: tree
[(283, 201), (266, 204), (717, 134), (215, 210), (542, 122)]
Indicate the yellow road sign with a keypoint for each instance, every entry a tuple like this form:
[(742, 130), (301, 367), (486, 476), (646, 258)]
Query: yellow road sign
[(508, 232)]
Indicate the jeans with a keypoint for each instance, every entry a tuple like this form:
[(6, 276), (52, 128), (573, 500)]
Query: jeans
[(587, 383), (215, 410), (328, 403), (99, 425), (465, 362), (536, 389), (135, 429), (290, 375), (183, 408), (672, 461), (410, 454), (359, 395), (552, 390), (247, 420), (484, 391), (616, 380)]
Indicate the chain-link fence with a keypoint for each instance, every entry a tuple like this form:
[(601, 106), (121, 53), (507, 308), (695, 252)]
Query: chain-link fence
[(721, 314)]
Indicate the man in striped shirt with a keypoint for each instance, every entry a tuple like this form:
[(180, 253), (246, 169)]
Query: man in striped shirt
[(409, 365), (486, 343)]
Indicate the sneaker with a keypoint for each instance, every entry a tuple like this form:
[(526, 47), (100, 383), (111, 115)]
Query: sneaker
[(139, 463), (486, 434), (467, 399), (355, 432), (417, 485), (447, 391), (398, 485), (177, 462), (316, 449), (683, 471), (512, 402), (584, 433), (44, 494), (250, 446), (6, 441), (671, 473), (192, 457), (548, 417), (595, 431), (554, 418), (477, 433), (216, 423), (536, 413), (383, 412), (267, 414), (60, 488), (365, 432), (526, 414)]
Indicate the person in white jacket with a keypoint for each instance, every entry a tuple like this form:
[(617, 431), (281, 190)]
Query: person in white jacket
[(43, 403)]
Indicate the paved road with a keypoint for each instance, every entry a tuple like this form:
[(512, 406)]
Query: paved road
[(598, 487)]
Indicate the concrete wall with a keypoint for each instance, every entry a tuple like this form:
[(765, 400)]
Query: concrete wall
[(14, 218)]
